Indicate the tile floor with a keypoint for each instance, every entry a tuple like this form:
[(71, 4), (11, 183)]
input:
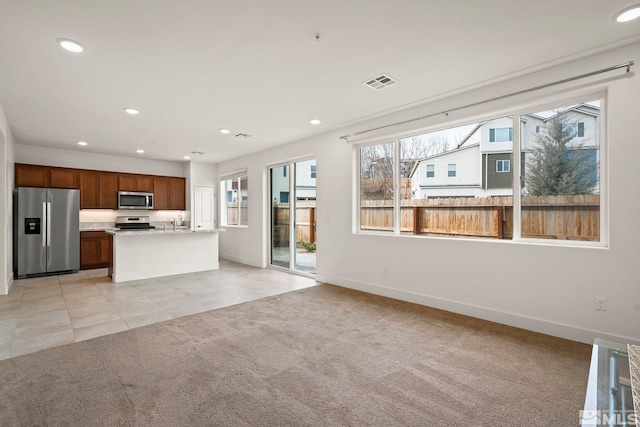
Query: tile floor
[(49, 311)]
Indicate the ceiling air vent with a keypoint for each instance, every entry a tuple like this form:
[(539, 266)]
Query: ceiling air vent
[(380, 82), (197, 153), (242, 135)]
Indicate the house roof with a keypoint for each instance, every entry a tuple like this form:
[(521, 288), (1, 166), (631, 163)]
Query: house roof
[(470, 134), (588, 109)]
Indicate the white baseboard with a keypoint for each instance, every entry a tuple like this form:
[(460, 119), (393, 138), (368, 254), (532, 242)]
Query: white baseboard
[(240, 260), (9, 284), (529, 323)]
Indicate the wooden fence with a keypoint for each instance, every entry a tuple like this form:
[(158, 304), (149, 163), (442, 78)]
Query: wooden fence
[(232, 213), (305, 222), (553, 217)]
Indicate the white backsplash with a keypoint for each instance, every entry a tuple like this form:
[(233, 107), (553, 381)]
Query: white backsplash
[(98, 216)]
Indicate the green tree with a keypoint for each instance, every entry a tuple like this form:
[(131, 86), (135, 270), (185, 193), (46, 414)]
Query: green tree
[(558, 165)]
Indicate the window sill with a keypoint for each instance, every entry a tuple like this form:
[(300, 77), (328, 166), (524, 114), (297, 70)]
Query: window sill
[(535, 242)]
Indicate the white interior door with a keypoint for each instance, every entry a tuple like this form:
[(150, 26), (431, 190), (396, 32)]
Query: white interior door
[(204, 218)]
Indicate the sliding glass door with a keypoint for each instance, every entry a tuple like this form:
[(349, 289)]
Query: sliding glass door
[(293, 216), (279, 178)]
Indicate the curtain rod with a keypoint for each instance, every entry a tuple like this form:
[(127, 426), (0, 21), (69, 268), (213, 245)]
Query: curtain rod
[(626, 65)]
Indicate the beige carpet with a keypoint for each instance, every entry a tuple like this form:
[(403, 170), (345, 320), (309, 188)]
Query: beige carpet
[(323, 356)]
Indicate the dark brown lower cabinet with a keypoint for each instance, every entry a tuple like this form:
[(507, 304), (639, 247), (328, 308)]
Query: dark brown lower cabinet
[(95, 249)]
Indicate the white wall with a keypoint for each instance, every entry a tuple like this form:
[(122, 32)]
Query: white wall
[(86, 160), (6, 210), (546, 288)]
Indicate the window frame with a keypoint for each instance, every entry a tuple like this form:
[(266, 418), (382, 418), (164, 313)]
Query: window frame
[(503, 162), (493, 134), (516, 112), (224, 208), (453, 169)]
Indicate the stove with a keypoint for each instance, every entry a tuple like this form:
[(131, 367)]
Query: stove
[(133, 223)]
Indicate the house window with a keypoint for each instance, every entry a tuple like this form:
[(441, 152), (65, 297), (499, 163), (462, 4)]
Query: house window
[(503, 165), (235, 204), (501, 134), (431, 171), (562, 179), (313, 171)]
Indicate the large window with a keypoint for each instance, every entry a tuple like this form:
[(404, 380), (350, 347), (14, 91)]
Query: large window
[(377, 187), (561, 185), (234, 200), (557, 152)]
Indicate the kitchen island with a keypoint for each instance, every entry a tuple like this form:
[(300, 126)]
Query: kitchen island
[(145, 254)]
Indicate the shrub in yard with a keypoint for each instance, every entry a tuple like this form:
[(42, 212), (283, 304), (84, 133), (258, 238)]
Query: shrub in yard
[(310, 246)]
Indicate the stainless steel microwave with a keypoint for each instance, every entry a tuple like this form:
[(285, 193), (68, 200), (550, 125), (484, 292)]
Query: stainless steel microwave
[(135, 200)]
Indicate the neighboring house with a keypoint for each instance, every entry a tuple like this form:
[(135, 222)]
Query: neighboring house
[(305, 182), (231, 189), (483, 161), (455, 173)]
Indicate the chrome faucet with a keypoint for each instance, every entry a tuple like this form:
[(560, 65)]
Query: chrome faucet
[(174, 224)]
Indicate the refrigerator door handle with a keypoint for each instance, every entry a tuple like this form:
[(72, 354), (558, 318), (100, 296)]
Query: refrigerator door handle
[(48, 223), (44, 225)]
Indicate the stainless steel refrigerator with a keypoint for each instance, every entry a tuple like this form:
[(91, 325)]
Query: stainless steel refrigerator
[(46, 231)]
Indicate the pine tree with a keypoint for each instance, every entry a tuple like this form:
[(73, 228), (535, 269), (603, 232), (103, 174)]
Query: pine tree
[(558, 165)]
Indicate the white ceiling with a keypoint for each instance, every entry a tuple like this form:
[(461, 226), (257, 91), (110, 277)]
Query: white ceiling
[(253, 66)]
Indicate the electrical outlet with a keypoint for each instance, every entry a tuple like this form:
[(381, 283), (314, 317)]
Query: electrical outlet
[(384, 270), (601, 303)]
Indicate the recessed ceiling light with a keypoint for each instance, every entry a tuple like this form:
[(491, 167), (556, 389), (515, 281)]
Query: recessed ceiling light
[(629, 14), (70, 45), (139, 151), (82, 143), (186, 157), (225, 131), (315, 121), (131, 110)]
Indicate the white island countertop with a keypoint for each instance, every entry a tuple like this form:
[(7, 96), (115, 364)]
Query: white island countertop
[(168, 230), (144, 254)]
